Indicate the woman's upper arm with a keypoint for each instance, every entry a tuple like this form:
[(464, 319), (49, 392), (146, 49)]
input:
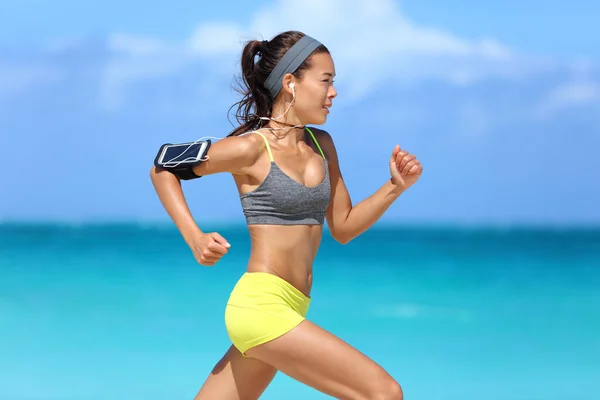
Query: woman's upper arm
[(340, 203), (234, 154)]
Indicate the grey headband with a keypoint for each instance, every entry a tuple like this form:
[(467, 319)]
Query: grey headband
[(290, 62)]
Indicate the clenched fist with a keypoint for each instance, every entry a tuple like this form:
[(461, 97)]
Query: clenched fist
[(405, 168), (208, 248)]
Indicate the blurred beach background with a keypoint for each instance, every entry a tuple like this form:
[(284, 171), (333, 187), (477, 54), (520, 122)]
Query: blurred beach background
[(480, 282)]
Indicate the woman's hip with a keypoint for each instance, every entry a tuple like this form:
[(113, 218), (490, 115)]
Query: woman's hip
[(261, 307)]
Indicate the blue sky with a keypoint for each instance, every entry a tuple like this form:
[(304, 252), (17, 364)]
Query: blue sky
[(547, 26), (500, 101)]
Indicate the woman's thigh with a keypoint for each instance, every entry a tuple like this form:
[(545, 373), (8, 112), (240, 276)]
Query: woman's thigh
[(236, 377), (321, 360)]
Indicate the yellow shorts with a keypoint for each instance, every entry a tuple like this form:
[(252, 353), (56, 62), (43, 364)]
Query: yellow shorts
[(262, 307)]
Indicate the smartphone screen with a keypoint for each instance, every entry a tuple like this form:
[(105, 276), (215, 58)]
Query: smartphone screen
[(186, 151)]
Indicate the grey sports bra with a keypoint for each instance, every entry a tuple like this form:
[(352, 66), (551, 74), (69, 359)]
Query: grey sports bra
[(280, 200)]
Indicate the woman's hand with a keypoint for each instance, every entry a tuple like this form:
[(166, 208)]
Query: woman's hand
[(208, 248), (404, 168)]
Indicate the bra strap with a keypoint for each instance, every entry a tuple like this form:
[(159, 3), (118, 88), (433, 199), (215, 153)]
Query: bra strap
[(266, 144), (315, 140)]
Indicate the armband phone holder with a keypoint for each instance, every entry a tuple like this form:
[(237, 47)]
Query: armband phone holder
[(181, 158)]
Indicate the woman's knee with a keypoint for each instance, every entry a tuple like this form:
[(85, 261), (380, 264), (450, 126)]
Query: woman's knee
[(387, 389)]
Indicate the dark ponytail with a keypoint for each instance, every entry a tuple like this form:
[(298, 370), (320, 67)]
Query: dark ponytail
[(256, 100)]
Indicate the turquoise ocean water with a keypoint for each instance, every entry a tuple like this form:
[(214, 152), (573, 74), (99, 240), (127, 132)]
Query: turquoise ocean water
[(115, 312)]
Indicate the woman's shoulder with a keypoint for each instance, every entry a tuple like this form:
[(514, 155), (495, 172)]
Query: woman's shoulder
[(248, 143), (241, 150), (251, 138), (323, 137), (319, 132)]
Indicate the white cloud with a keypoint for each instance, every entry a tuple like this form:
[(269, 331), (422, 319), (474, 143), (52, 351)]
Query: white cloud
[(576, 93), (17, 78), (572, 94), (372, 42), (215, 39), (580, 90), (135, 45)]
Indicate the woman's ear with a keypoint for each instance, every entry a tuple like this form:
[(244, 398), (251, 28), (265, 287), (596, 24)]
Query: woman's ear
[(288, 83)]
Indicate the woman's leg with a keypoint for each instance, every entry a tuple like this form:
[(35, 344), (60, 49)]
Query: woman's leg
[(319, 359), (236, 377)]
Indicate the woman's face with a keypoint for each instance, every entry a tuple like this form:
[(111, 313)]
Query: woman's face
[(315, 91)]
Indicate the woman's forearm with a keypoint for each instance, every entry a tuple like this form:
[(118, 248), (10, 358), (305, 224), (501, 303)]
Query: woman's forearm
[(364, 214), (169, 191)]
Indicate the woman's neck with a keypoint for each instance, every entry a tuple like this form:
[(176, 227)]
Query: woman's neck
[(286, 135)]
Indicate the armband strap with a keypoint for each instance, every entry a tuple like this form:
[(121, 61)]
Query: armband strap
[(184, 173)]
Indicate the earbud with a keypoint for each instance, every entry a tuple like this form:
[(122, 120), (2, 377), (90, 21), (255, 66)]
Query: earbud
[(291, 86)]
